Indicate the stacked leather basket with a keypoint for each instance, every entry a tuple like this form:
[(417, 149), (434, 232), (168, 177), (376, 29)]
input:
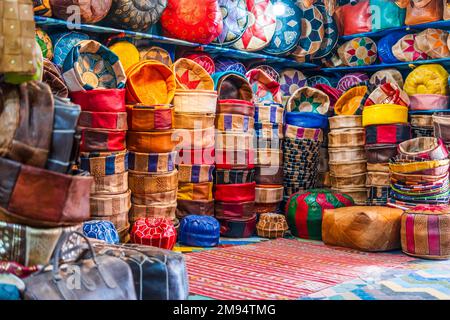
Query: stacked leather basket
[(195, 106), (234, 175)]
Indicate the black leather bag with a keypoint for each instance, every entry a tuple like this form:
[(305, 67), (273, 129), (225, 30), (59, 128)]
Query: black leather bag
[(158, 274), (63, 138), (101, 277)]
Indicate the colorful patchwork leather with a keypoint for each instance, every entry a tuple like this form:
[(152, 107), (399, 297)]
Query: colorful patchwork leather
[(152, 142), (149, 199), (272, 113), (384, 114), (231, 106), (264, 88), (110, 205), (45, 43), (389, 75), (103, 120), (63, 42), (189, 75), (155, 53), (112, 184), (150, 183), (346, 138), (155, 210), (234, 210), (197, 207), (238, 228), (233, 141), (235, 21), (268, 131), (268, 195), (188, 173), (388, 93), (235, 192), (406, 49), (269, 157), (235, 159), (196, 156), (359, 51), (294, 132), (152, 162), (351, 102), (232, 86), (150, 82), (195, 138), (184, 120), (388, 133), (98, 164), (203, 59), (195, 101), (157, 232), (234, 122), (427, 148), (269, 175), (195, 191), (424, 232), (233, 176), (149, 118), (101, 230), (290, 81), (432, 167), (42, 8), (272, 225), (105, 100), (433, 42), (102, 140)]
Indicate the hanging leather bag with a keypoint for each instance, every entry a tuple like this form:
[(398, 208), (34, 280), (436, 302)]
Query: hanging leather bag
[(423, 11)]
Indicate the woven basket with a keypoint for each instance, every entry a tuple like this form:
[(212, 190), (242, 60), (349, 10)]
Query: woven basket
[(346, 138), (195, 101), (346, 154), (351, 181), (348, 167), (341, 122)]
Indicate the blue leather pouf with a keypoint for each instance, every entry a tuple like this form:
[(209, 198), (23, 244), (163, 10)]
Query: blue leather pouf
[(199, 231), (101, 230)]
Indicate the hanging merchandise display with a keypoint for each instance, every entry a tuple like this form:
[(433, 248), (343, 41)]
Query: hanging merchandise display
[(235, 21)]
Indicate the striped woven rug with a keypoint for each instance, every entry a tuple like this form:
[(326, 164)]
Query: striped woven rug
[(279, 269)]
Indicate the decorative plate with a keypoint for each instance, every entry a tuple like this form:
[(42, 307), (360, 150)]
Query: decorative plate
[(90, 65), (63, 44), (359, 51), (291, 80), (351, 80), (45, 43), (191, 76), (194, 21), (288, 28), (156, 53), (331, 33), (308, 99), (312, 33), (202, 59), (225, 64), (235, 21), (262, 25)]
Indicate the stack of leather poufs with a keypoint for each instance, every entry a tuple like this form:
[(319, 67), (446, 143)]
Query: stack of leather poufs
[(234, 175), (346, 146), (306, 118), (41, 197), (195, 105), (269, 119), (382, 135), (103, 125), (151, 141), (419, 173)]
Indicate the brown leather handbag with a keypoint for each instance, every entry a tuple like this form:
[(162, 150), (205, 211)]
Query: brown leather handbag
[(26, 122), (423, 11), (101, 277)]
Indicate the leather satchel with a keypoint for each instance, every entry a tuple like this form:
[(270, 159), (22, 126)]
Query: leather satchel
[(158, 274), (423, 11), (100, 278), (26, 122)]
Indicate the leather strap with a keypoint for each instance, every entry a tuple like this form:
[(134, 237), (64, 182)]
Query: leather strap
[(268, 195), (346, 138), (112, 184), (148, 199), (269, 113), (197, 207), (269, 175), (388, 133), (188, 173), (104, 164), (150, 183), (234, 122), (152, 142), (148, 118), (427, 148), (234, 176), (187, 120), (195, 138), (152, 162), (104, 100), (158, 209), (269, 157), (242, 107), (234, 141), (103, 120), (195, 191), (201, 156), (109, 205), (235, 192), (294, 132), (235, 159), (270, 131), (102, 140), (234, 210), (195, 101)]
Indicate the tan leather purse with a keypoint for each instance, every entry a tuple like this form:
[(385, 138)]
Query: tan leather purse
[(423, 11)]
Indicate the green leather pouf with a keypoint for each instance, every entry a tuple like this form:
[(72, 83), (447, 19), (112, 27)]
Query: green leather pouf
[(304, 211)]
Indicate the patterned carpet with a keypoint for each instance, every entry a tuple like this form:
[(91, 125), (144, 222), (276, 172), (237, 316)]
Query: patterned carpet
[(280, 269)]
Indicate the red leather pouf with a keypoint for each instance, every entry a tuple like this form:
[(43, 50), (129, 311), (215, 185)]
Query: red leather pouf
[(156, 232)]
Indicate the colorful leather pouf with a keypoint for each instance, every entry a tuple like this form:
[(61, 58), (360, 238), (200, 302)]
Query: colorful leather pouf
[(304, 211), (358, 52), (331, 33), (272, 225), (425, 232), (156, 232), (101, 230), (199, 231)]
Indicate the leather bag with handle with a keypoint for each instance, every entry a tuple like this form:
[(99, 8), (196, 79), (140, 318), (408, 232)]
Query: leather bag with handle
[(100, 278), (423, 11)]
